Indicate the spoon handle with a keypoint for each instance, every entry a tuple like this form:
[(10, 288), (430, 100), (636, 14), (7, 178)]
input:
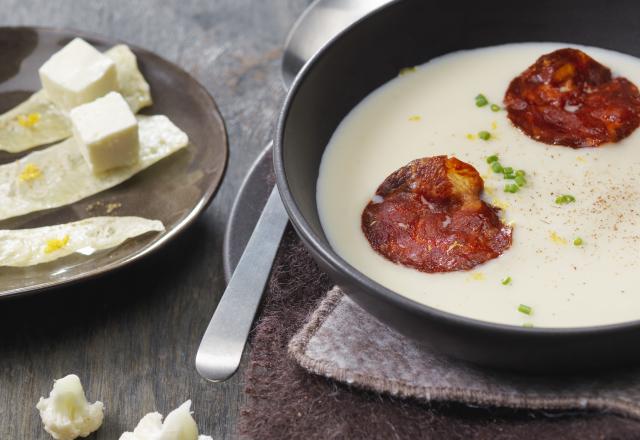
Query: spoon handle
[(223, 342)]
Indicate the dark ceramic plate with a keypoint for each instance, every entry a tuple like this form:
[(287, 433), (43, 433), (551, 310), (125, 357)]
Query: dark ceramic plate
[(370, 53), (175, 190)]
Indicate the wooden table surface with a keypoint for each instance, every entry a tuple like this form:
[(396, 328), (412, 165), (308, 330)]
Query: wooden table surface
[(132, 336)]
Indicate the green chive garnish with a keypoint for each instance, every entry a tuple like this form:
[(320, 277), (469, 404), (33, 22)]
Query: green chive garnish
[(508, 173), (495, 108), (506, 281), (484, 135), (564, 199), (525, 309), (481, 100), (511, 188), (528, 325), (406, 70), (577, 242)]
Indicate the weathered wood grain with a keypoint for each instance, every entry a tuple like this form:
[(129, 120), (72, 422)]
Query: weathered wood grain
[(132, 336)]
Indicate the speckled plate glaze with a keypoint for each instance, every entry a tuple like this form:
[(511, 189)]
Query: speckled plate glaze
[(175, 190)]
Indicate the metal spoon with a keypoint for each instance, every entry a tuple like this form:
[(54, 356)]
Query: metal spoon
[(223, 342)]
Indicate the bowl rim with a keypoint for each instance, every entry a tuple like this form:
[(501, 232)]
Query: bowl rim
[(335, 261)]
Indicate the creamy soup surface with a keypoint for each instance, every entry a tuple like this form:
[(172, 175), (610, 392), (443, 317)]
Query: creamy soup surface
[(431, 111)]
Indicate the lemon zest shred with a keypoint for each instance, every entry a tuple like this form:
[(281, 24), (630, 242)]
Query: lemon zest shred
[(30, 172), (500, 203), (453, 245), (56, 244), (470, 136), (477, 276), (581, 159), (415, 118), (557, 239), (29, 120), (494, 125)]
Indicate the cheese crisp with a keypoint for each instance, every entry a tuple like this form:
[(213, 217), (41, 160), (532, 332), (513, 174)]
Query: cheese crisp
[(59, 175), (27, 247)]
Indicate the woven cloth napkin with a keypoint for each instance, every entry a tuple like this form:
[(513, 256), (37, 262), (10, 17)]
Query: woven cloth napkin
[(320, 367), (345, 343)]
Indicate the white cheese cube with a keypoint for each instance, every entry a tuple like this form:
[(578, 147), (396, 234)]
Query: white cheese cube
[(106, 132), (77, 74)]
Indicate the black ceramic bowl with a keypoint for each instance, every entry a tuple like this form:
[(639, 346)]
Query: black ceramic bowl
[(370, 53)]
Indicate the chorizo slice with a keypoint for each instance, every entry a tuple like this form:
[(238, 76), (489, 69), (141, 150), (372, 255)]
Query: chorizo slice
[(568, 98), (428, 215)]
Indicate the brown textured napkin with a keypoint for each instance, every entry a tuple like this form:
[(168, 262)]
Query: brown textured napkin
[(421, 394), (343, 342)]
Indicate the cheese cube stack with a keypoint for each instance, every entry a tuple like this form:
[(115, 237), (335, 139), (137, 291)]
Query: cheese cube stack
[(106, 132), (77, 74)]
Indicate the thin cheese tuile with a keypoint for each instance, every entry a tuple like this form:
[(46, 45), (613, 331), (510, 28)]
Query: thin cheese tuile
[(53, 124), (66, 177), (27, 247)]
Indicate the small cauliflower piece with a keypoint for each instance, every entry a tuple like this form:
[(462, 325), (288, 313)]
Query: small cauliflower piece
[(78, 73), (106, 131), (66, 414), (179, 425)]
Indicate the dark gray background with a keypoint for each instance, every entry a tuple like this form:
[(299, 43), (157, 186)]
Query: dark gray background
[(132, 336)]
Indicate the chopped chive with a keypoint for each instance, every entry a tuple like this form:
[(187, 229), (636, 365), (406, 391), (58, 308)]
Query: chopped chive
[(492, 158), (520, 173), (507, 170), (406, 70), (484, 135), (496, 167), (495, 108), (528, 325), (509, 176), (564, 199), (577, 242), (481, 100), (511, 188), (506, 281), (520, 180), (525, 309)]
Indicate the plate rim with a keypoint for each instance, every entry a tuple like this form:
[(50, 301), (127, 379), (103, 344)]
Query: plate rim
[(170, 234)]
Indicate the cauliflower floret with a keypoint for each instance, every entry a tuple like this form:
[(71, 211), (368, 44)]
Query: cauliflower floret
[(179, 425), (66, 414)]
